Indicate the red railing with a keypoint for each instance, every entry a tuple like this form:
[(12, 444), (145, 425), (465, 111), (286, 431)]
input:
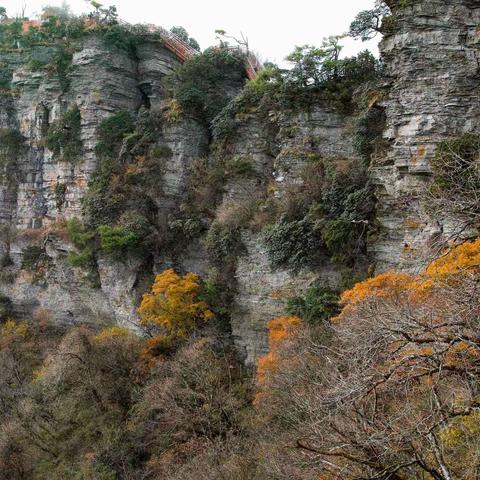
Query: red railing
[(183, 51), (252, 65)]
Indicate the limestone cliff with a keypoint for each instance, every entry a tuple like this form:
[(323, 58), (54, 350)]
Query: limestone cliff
[(432, 78), (428, 93), (101, 81)]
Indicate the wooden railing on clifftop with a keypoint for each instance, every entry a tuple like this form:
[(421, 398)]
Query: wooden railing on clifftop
[(183, 51)]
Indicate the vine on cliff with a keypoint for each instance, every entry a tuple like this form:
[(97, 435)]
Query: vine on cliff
[(64, 136)]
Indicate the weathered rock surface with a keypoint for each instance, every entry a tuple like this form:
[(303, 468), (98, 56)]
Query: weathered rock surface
[(432, 63), (278, 163), (102, 81), (430, 94)]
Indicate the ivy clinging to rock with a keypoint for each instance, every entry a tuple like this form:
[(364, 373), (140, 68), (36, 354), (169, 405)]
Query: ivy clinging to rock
[(64, 136)]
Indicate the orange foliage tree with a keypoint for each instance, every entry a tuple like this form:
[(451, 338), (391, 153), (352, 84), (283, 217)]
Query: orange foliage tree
[(279, 330), (453, 267), (393, 391)]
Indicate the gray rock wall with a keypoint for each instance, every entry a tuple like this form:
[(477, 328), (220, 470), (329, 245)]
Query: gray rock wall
[(102, 81), (261, 291), (432, 63)]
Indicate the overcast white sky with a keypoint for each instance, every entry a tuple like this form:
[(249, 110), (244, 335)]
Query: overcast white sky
[(273, 27)]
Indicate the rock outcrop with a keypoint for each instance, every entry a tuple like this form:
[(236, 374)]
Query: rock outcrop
[(432, 69), (429, 94), (278, 163), (101, 81)]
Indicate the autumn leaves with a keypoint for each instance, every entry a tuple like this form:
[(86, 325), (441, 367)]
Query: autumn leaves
[(392, 390)]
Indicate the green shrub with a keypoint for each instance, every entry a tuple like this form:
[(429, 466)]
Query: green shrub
[(62, 64), (127, 37), (60, 192), (79, 235), (204, 84), (223, 242), (294, 244), (63, 137), (84, 240), (112, 131), (86, 243), (318, 305), (119, 37), (349, 74), (343, 240), (330, 213), (34, 257), (55, 30), (218, 291), (368, 138), (348, 195), (132, 192), (82, 259), (348, 205), (35, 65), (189, 228), (100, 205), (117, 239)]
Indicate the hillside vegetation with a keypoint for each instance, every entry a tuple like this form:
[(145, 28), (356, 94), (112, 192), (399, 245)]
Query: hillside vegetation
[(366, 375), (388, 388)]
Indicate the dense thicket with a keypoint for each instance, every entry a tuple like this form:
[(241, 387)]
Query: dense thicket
[(388, 388), (85, 404)]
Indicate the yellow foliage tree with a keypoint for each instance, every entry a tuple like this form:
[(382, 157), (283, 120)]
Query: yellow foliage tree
[(174, 304), (112, 333), (13, 329)]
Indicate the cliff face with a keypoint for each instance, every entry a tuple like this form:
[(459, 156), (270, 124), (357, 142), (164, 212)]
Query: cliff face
[(432, 66), (279, 161), (430, 93), (102, 81)]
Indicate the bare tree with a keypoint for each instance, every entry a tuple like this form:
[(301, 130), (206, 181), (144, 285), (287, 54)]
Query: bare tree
[(389, 391)]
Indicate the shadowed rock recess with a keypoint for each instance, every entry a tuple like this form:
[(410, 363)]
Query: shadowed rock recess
[(218, 194)]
